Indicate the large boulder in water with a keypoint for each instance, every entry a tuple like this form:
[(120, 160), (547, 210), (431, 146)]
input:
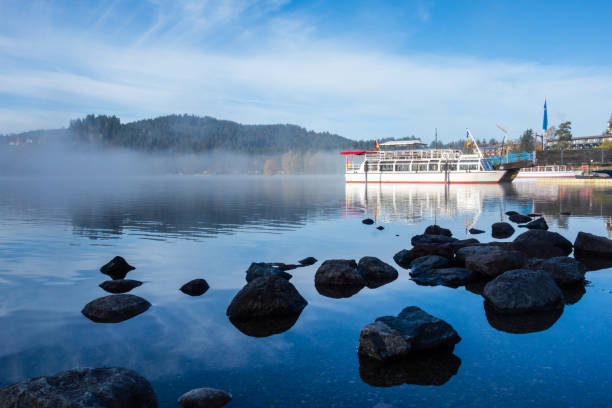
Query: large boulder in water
[(589, 244), (412, 331), (204, 398), (462, 253), (540, 223), (519, 218), (428, 262), (501, 230), (493, 263), (523, 291), (438, 230), (195, 287), (339, 272), (451, 277), (376, 272), (431, 239), (563, 269), (116, 268), (115, 308), (542, 244), (265, 269), (120, 285), (80, 388), (405, 257), (266, 298)]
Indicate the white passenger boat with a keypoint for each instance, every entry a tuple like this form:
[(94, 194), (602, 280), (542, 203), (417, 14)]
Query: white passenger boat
[(543, 172), (407, 162)]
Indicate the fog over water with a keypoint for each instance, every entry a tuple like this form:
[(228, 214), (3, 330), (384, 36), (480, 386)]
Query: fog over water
[(55, 233)]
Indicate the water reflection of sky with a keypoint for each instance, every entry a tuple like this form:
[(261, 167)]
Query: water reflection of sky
[(53, 239)]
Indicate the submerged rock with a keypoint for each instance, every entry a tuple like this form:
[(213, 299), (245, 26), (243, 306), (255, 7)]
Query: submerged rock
[(563, 269), (476, 231), (204, 398), (80, 388), (375, 272), (431, 239), (519, 218), (511, 213), (339, 272), (120, 285), (501, 230), (542, 244), (428, 368), (451, 277), (540, 223), (308, 261), (523, 291), (117, 268), (593, 245), (264, 269), (380, 228), (412, 331), (438, 230), (115, 308), (264, 298), (427, 262), (493, 263), (368, 221), (195, 287)]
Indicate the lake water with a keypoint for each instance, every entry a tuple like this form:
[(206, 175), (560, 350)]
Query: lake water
[(55, 235)]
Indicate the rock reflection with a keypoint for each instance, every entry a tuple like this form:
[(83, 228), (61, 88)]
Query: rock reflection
[(573, 293), (522, 323), (592, 262), (338, 291), (426, 369), (265, 327)]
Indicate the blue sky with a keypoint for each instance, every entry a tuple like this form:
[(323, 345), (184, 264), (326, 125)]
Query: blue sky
[(360, 69)]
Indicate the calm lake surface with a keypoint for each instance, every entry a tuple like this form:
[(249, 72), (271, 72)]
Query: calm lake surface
[(55, 235)]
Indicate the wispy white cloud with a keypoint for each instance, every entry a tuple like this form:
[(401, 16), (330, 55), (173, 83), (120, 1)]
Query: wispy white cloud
[(287, 74)]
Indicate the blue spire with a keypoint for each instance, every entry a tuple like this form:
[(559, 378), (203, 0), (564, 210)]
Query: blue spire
[(545, 122)]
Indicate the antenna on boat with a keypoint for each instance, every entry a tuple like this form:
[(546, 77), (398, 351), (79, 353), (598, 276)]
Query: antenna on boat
[(436, 138)]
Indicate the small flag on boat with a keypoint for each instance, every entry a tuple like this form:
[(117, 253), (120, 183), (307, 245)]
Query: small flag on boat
[(376, 147), (545, 121), (467, 139)]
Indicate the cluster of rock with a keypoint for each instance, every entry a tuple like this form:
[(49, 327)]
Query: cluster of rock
[(342, 278), (265, 269)]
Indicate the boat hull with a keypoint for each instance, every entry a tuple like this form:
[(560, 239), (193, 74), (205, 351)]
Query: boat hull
[(523, 175), (453, 177)]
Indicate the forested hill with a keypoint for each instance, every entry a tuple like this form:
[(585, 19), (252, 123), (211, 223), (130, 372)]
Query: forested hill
[(193, 134)]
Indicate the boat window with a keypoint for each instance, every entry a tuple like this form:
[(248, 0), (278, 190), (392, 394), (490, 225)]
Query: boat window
[(386, 166), (372, 167), (421, 167), (402, 166), (433, 166)]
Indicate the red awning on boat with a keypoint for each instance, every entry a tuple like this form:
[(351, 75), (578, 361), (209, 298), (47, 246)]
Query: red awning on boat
[(358, 153)]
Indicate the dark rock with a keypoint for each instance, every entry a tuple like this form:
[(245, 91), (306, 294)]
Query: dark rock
[(285, 267), (267, 326), (427, 262), (542, 244), (523, 291), (204, 398), (308, 261), (564, 270), (511, 213), (117, 268), (476, 286), (368, 221), (593, 263), (494, 263), (463, 253), (451, 277), (120, 285), (338, 291), (115, 308), (80, 388), (573, 293), (522, 323), (195, 287), (380, 228), (404, 257), (268, 297), (264, 269), (565, 213), (438, 230), (375, 272), (593, 244), (501, 230), (428, 368), (476, 231), (431, 239), (540, 223), (412, 331), (462, 243), (339, 272), (534, 215), (519, 218)]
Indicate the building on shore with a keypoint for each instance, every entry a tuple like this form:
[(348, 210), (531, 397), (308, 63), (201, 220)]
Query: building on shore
[(582, 142)]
